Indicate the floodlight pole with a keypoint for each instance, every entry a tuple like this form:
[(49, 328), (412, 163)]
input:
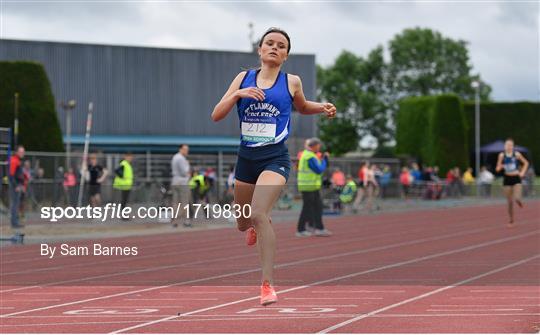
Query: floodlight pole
[(476, 86)]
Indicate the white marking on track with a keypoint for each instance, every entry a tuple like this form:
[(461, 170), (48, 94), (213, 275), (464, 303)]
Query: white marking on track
[(272, 317), (475, 310), (362, 291), (25, 300), (287, 310), (205, 292), (490, 305), (421, 296), (394, 265), (334, 298), (244, 256), (505, 298), (53, 293), (109, 311), (503, 290), (170, 299)]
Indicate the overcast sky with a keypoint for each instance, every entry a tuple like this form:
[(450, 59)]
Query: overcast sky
[(503, 36)]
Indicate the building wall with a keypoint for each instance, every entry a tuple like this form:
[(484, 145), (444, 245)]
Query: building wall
[(150, 91)]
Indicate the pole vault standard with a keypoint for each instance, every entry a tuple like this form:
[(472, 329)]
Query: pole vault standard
[(85, 152)]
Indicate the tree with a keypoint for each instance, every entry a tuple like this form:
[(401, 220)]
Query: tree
[(356, 86), (339, 135), (423, 62), (366, 91), (39, 126)]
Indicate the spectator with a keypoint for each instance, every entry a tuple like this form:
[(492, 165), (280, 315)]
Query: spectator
[(530, 175), (180, 170), (200, 186), (69, 184), (338, 180), (485, 179), (468, 180), (16, 184), (405, 179), (371, 187), (25, 194), (95, 175), (362, 172), (450, 184), (458, 180), (123, 181), (310, 170), (416, 173), (348, 192), (229, 185), (386, 178)]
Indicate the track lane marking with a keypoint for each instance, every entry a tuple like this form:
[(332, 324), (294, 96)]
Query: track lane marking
[(427, 294), (415, 260)]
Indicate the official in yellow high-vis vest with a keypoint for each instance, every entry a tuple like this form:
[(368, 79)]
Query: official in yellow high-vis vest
[(199, 185), (123, 180), (349, 191), (310, 171)]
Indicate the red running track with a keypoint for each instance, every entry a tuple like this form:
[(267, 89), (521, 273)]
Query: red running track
[(452, 270)]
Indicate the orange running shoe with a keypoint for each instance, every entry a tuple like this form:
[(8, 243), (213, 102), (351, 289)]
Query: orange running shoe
[(268, 294), (251, 236)]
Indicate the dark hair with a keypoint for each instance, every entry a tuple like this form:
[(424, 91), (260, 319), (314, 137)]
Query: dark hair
[(510, 139), (279, 31)]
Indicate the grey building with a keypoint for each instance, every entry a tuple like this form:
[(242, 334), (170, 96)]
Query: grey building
[(152, 99)]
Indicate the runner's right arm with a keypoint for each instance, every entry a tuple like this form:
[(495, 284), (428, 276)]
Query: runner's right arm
[(232, 95)]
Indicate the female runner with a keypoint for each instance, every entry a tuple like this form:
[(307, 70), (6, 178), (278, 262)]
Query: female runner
[(508, 161), (264, 98)]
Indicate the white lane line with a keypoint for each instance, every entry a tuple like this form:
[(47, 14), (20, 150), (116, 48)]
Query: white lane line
[(490, 305), (503, 291), (421, 296), (130, 306), (308, 260), (53, 293), (26, 300), (475, 310), (171, 299), (334, 298), (198, 250), (415, 260), (235, 257), (361, 291), (204, 292), (505, 298), (274, 317)]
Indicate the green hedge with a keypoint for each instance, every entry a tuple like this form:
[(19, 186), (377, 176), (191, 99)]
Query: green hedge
[(498, 121), (433, 129), (39, 129)]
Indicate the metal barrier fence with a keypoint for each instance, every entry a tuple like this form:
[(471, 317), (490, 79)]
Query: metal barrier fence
[(152, 178)]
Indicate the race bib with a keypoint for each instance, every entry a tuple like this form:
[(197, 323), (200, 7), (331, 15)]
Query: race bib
[(510, 166), (258, 129)]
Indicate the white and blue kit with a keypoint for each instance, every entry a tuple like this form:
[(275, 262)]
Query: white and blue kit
[(265, 126), (511, 166)]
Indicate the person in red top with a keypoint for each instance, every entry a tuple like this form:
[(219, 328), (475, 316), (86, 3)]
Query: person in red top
[(70, 182), (405, 179), (361, 190), (16, 185)]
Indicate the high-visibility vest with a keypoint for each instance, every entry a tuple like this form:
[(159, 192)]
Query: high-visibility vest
[(347, 195), (126, 182), (203, 187), (308, 180)]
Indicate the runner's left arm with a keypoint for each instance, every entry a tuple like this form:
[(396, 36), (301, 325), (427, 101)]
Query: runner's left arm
[(304, 106), (524, 164)]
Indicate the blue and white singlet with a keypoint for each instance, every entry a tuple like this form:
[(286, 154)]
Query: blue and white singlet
[(265, 125)]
